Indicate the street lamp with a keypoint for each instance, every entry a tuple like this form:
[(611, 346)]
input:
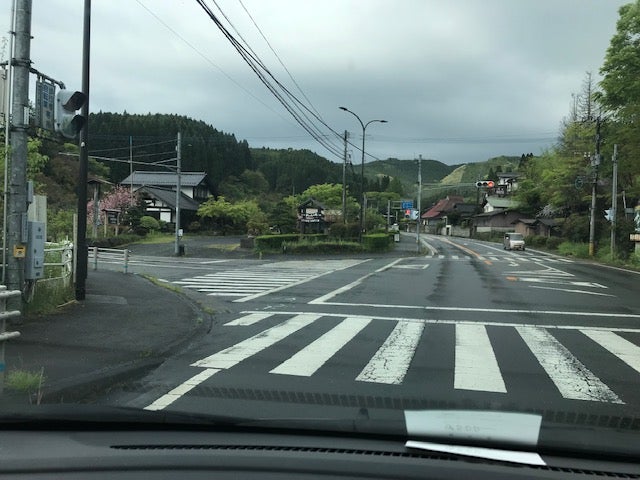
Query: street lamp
[(364, 128)]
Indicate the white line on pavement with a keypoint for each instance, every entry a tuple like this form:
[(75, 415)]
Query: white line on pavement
[(570, 376), (234, 354), (390, 363), (308, 360), (180, 390), (622, 348), (476, 367), (473, 322)]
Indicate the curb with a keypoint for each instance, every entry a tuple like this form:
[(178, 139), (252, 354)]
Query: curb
[(88, 385)]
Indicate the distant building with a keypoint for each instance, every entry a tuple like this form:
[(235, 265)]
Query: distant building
[(158, 190)]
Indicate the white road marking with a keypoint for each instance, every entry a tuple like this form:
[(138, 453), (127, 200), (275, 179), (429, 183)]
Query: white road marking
[(180, 390), (476, 367), (560, 282), (234, 354), (308, 360), (622, 348), (568, 290), (570, 376), (390, 363), (353, 284), (475, 322), (249, 283), (249, 319)]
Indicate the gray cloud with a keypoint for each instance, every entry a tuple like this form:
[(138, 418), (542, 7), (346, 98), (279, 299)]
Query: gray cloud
[(457, 80)]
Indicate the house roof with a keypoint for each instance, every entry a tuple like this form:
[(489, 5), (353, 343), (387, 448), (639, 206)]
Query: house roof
[(168, 197), (162, 179), (312, 201), (444, 205)]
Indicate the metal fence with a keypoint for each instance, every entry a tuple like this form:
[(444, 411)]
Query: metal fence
[(109, 255), (4, 335)]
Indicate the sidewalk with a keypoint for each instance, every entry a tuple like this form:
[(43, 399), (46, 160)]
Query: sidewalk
[(125, 327)]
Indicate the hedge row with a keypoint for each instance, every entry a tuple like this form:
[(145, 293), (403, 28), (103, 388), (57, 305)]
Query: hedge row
[(111, 242), (275, 242), (377, 242)]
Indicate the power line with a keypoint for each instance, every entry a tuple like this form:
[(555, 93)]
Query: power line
[(207, 59), (258, 68)]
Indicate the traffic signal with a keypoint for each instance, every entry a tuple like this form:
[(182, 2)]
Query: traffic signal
[(485, 184), (68, 122)]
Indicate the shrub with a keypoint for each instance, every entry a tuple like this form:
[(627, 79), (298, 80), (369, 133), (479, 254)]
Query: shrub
[(274, 242), (328, 247), (111, 242), (149, 224), (377, 242), (553, 242), (194, 226), (579, 250)]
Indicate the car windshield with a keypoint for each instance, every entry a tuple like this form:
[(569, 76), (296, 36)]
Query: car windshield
[(299, 213)]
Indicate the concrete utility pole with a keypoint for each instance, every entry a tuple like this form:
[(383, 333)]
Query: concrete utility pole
[(418, 220), (614, 200), (595, 162), (344, 180), (178, 191), (17, 193), (81, 243)]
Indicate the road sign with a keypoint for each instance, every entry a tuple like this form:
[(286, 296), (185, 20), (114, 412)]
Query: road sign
[(45, 104), (406, 204)]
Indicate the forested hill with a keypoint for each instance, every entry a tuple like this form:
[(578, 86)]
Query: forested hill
[(154, 138)]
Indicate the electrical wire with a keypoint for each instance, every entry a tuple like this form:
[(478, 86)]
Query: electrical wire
[(266, 77), (207, 59)]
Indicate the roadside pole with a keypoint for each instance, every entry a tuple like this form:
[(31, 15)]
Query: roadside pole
[(17, 192), (614, 201), (344, 179), (418, 220), (178, 191)]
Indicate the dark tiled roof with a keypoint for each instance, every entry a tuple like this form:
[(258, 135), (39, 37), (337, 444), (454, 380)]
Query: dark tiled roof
[(168, 197), (163, 179)]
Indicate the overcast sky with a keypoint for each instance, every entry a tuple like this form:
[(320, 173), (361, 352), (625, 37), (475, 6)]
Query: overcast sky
[(457, 80)]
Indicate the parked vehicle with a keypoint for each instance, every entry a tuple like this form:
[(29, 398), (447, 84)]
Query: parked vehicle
[(513, 241)]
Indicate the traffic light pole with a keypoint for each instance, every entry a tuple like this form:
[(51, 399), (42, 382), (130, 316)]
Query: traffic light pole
[(595, 162), (81, 242), (17, 184)]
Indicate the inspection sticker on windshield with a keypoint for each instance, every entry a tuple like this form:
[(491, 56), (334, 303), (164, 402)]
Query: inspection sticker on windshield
[(504, 427)]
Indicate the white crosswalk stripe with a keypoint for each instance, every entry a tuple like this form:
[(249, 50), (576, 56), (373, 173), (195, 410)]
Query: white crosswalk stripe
[(251, 282), (476, 366), (522, 258)]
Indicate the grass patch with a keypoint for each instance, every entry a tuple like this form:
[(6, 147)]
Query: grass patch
[(26, 382), (572, 249), (156, 239), (158, 283), (49, 295), (229, 247)]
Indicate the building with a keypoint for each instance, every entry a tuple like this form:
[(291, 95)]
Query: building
[(158, 190)]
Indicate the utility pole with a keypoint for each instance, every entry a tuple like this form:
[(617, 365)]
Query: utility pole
[(614, 201), (178, 191), (344, 180), (17, 192), (83, 170), (595, 162), (418, 220)]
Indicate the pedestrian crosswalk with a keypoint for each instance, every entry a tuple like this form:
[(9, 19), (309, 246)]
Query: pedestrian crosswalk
[(477, 366), (250, 282), (522, 258)]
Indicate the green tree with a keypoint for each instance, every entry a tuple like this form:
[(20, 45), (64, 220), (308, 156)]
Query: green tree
[(241, 216)]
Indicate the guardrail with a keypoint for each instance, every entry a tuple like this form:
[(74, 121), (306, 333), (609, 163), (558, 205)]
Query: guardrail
[(110, 254), (4, 335)]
